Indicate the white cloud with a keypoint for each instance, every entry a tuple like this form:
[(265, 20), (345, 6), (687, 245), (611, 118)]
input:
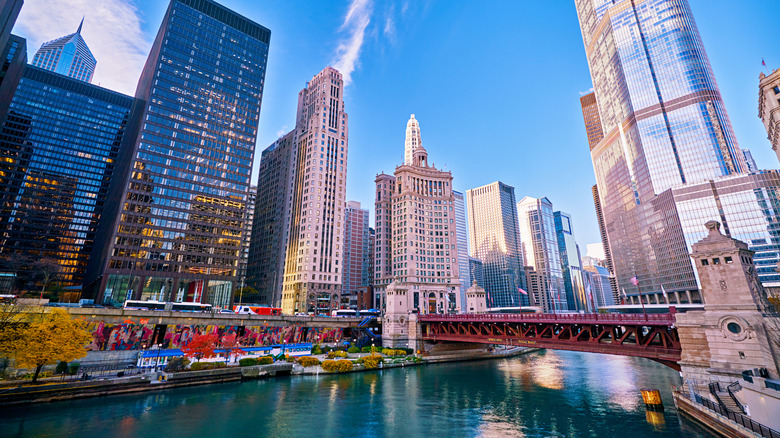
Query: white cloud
[(282, 131), (112, 30), (348, 51), (588, 91)]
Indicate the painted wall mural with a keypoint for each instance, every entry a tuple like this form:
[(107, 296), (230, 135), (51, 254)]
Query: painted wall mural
[(133, 336)]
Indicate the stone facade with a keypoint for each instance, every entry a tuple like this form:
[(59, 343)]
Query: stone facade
[(769, 107), (475, 299), (738, 330)]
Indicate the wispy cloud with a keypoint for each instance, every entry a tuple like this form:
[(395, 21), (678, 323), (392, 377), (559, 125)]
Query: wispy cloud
[(588, 91), (356, 20), (282, 131), (112, 30)]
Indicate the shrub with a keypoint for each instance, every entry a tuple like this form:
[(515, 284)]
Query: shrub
[(366, 349), (290, 359), (336, 354), (247, 362), (73, 368), (388, 352), (400, 352), (41, 375), (265, 360), (337, 366), (327, 349), (353, 350), (62, 367), (372, 361), (198, 366), (177, 364), (316, 349), (308, 361)]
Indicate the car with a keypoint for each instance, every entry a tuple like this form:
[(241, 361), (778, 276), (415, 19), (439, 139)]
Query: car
[(226, 311)]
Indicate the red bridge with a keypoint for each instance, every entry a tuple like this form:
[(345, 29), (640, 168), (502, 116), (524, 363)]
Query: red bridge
[(650, 336)]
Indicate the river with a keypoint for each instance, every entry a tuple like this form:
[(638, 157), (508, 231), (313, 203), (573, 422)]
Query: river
[(542, 394)]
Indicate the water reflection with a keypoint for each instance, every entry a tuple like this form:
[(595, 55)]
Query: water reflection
[(545, 394)]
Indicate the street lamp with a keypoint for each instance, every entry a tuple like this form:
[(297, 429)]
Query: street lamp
[(157, 361)]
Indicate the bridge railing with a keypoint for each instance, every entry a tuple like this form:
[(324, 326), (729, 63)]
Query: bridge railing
[(655, 318), (736, 417)]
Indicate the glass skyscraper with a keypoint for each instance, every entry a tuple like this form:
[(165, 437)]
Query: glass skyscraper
[(178, 211), (664, 125), (69, 56), (494, 238), (576, 297), (541, 252), (463, 241), (59, 146)]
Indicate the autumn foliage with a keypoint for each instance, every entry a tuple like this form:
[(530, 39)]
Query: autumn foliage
[(231, 345), (201, 347), (47, 339)]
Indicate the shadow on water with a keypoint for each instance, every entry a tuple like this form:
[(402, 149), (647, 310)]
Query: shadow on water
[(544, 394)]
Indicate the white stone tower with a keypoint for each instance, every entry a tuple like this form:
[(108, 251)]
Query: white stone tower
[(413, 140)]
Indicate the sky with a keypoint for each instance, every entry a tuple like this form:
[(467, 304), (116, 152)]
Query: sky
[(495, 84)]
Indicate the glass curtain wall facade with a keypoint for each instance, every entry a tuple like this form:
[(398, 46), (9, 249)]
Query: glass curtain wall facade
[(664, 124), (576, 296), (540, 251), (461, 226), (69, 56), (493, 233), (59, 145), (179, 214)]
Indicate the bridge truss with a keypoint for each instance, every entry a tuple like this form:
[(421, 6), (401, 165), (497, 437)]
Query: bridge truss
[(650, 336)]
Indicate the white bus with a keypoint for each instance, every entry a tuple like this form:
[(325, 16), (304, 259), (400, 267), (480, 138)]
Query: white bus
[(162, 305), (344, 312)]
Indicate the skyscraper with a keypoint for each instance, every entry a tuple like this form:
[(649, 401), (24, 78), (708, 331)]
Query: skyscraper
[(571, 263), (383, 259), (476, 272), (59, 147), (271, 226), (413, 139), (541, 252), (461, 227), (313, 271), (493, 232), (355, 248), (750, 161), (176, 210), (246, 235), (68, 55), (664, 125), (769, 107), (421, 251), (13, 53)]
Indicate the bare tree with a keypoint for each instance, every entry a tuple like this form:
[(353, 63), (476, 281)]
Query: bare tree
[(46, 270)]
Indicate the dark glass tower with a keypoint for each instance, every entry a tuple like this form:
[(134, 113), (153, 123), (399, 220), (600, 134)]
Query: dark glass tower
[(177, 212), (58, 151)]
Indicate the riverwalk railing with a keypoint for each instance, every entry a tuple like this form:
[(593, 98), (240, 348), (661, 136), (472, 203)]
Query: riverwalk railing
[(588, 318), (736, 417)]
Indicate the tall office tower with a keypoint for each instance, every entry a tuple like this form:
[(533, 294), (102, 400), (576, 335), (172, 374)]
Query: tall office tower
[(13, 54), (69, 56), (571, 263), (313, 271), (177, 208), (604, 239), (9, 12), (368, 257), (769, 107), (271, 226), (413, 139), (664, 125), (590, 114), (423, 241), (493, 232), (541, 252), (752, 167), (477, 272), (463, 249), (355, 249), (597, 279), (246, 235), (59, 147), (383, 224)]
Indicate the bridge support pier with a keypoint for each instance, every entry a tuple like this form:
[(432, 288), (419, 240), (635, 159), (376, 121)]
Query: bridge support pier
[(739, 329)]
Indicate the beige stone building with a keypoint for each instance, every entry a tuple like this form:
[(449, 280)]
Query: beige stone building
[(416, 242), (769, 107), (313, 266)]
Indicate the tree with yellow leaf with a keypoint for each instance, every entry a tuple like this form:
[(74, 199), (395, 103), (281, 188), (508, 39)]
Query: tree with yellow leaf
[(50, 338)]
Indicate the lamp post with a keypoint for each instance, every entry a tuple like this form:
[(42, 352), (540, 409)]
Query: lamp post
[(157, 361)]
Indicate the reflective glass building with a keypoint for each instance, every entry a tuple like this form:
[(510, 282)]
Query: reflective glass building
[(576, 298), (59, 146), (461, 227), (178, 209), (541, 252), (69, 56), (664, 125), (494, 239)]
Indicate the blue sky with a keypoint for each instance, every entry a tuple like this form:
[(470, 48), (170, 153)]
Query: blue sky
[(495, 85)]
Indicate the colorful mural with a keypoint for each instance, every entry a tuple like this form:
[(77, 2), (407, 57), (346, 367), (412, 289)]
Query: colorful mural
[(131, 336)]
